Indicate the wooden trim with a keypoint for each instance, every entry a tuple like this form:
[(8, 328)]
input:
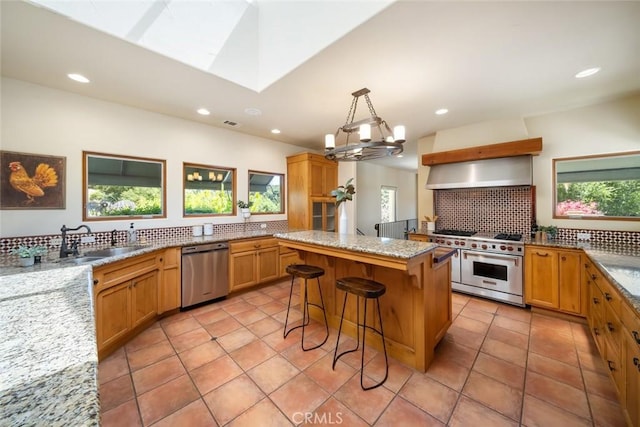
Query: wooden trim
[(523, 147)]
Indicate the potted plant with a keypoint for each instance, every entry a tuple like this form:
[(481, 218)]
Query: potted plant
[(342, 194), (549, 230), (26, 254), (244, 208)]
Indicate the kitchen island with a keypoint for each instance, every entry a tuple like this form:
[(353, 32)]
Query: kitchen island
[(416, 308)]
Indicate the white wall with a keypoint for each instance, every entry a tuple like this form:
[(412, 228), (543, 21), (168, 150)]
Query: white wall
[(371, 178), (39, 120)]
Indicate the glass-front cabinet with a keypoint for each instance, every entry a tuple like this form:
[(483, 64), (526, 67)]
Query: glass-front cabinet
[(323, 215)]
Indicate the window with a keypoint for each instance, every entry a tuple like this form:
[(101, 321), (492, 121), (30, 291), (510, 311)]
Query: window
[(388, 204), (266, 192), (208, 190), (598, 187), (118, 187)]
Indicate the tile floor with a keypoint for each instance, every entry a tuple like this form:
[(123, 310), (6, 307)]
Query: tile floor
[(227, 364)]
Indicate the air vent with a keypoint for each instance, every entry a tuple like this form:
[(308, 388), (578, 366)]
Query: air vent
[(230, 123)]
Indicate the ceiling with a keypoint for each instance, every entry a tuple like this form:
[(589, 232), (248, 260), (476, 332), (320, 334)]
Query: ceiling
[(480, 60)]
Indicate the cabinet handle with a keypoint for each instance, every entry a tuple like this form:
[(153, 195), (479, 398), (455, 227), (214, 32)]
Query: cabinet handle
[(564, 258), (636, 336), (539, 254), (95, 281), (595, 331), (636, 362), (595, 300), (586, 265), (610, 364), (593, 277), (161, 260), (607, 296), (610, 326)]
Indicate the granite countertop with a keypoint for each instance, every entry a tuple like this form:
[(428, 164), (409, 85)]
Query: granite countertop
[(395, 248), (48, 352)]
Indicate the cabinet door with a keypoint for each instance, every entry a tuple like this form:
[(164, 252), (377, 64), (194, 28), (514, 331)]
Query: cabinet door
[(113, 314), (144, 298), (541, 280), (632, 378), (596, 315), (323, 215), (268, 268), (569, 282), (169, 294), (324, 178), (286, 259), (243, 270)]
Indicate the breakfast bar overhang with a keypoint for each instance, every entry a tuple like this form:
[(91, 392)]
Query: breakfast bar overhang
[(416, 308)]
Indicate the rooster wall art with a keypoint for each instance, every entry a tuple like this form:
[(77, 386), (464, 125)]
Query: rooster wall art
[(30, 181)]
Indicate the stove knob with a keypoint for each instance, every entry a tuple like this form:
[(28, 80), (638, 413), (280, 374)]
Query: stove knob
[(509, 248), (484, 246), (462, 243), (449, 242), (456, 242), (473, 245), (503, 247)]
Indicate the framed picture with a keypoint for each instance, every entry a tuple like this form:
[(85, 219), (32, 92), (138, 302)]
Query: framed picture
[(31, 181)]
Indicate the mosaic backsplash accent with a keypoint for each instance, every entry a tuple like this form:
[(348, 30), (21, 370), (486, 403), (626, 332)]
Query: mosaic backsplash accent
[(501, 209), (104, 237)]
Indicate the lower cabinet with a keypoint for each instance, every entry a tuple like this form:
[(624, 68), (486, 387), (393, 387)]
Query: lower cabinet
[(252, 262), (125, 300), (287, 257), (553, 279), (169, 292)]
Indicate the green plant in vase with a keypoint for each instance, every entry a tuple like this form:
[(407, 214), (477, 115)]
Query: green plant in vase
[(342, 194)]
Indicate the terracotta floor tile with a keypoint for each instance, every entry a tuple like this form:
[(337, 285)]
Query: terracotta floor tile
[(468, 412), (211, 316), (606, 413), (558, 326), (214, 374), (159, 373), (181, 326), (113, 367), (399, 374), (250, 316), (552, 368), (512, 324), (115, 392), (278, 343), (145, 339), (515, 313), (482, 316), (332, 413), (273, 307), (295, 316), (323, 374), (483, 305), (125, 414), (299, 395), (465, 337), (200, 355), (265, 326), (592, 361), (582, 337), (498, 396), (212, 305), (600, 385), (182, 315), (233, 398), (271, 374), (557, 393), (555, 348), (498, 369), (508, 336), (459, 298), (195, 414), (354, 359), (265, 413), (236, 339), (448, 372), (429, 395), (302, 359), (402, 413), (252, 354), (222, 327), (258, 299), (456, 352), (469, 324), (239, 307), (166, 399), (504, 351), (149, 355), (539, 413), (456, 309), (190, 339), (369, 404)]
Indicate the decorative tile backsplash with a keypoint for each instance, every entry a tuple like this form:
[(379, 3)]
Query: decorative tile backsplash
[(104, 237)]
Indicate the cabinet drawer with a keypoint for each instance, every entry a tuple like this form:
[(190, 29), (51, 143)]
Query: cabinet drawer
[(631, 321), (117, 272), (252, 245)]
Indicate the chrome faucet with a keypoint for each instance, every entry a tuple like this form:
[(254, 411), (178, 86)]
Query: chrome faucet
[(64, 250)]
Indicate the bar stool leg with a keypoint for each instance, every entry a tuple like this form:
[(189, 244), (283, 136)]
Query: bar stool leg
[(337, 356), (306, 318), (286, 320), (384, 347)]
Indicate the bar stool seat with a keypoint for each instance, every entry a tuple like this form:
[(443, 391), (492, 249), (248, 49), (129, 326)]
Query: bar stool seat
[(306, 272), (367, 290)]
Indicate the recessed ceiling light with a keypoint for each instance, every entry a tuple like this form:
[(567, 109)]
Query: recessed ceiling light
[(588, 72), (252, 111), (442, 111), (78, 77), (276, 131), (203, 111)]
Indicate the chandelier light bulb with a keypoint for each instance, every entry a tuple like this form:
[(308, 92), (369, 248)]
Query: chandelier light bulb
[(329, 141), (365, 132), (399, 133)]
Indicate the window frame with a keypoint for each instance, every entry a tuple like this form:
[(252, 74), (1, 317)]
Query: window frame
[(282, 192), (208, 169)]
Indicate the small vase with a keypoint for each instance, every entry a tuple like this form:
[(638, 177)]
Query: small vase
[(246, 213), (344, 220), (26, 262)]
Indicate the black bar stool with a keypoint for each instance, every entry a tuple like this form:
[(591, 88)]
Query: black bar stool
[(306, 272), (365, 289)]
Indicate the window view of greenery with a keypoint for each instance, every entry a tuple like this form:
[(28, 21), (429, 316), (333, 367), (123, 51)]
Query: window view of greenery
[(598, 188), (123, 187), (208, 190), (265, 192), (388, 204)]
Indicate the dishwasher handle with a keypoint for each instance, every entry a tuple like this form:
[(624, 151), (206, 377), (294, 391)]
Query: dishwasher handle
[(205, 248)]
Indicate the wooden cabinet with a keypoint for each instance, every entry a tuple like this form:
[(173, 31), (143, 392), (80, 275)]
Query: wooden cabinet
[(418, 237), (252, 262), (169, 292), (287, 257), (125, 300), (631, 356), (553, 279), (310, 180)]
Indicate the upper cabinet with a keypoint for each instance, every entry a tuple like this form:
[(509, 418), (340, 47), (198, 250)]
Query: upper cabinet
[(310, 179)]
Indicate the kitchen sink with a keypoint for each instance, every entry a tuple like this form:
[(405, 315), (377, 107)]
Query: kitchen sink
[(83, 259), (103, 253)]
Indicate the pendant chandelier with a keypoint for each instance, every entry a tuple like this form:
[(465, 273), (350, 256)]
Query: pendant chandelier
[(374, 140)]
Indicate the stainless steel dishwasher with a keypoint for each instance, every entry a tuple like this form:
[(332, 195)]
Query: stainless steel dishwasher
[(205, 272)]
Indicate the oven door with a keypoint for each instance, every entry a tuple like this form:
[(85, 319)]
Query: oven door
[(455, 267), (497, 272)]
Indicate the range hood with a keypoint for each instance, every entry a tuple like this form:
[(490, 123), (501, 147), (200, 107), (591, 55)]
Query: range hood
[(500, 172)]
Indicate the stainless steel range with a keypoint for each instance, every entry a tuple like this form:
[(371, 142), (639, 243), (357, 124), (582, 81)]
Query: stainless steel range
[(487, 264)]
